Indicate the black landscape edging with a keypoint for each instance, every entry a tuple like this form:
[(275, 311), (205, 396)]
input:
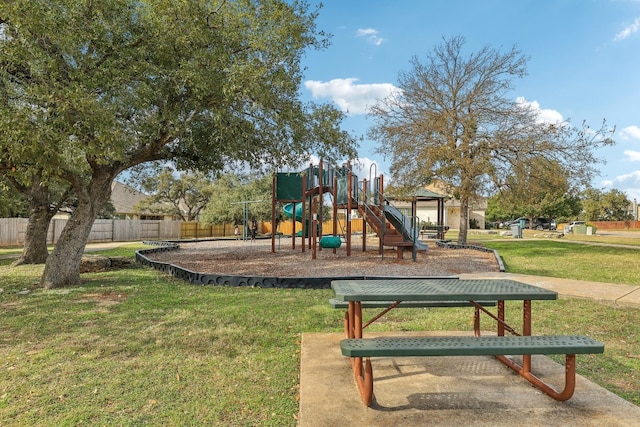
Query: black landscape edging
[(449, 245), (250, 281)]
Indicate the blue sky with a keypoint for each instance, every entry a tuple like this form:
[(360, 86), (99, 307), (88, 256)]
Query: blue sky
[(584, 62)]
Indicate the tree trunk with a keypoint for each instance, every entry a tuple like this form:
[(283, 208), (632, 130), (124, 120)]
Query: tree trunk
[(63, 265), (35, 249), (464, 220)]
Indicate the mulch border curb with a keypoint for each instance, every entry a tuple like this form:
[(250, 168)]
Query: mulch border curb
[(260, 281)]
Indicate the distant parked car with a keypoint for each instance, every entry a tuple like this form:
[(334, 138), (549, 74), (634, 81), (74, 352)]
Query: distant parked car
[(546, 223), (574, 223), (538, 223)]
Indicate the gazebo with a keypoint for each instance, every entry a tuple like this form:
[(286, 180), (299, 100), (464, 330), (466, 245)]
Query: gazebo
[(424, 195)]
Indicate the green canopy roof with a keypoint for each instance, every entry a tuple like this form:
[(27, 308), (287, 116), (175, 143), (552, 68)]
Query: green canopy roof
[(421, 194)]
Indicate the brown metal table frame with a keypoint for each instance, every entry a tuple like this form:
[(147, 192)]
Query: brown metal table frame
[(363, 372)]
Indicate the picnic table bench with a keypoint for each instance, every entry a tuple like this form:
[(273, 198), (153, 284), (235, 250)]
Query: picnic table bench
[(358, 294), (335, 303), (475, 346), (433, 231)]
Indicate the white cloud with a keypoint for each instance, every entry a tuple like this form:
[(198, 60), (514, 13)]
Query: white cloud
[(366, 168), (370, 35), (633, 156), (630, 181), (544, 115), (350, 97), (628, 30), (630, 132), (633, 177)]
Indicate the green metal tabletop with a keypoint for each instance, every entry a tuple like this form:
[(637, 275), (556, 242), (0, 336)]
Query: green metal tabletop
[(438, 290)]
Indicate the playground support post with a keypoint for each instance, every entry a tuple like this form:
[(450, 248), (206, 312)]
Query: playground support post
[(313, 214), (246, 215), (273, 214), (349, 207), (318, 207), (364, 217), (335, 209), (304, 211), (380, 194)]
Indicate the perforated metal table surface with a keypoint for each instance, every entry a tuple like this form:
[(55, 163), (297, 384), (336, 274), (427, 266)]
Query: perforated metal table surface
[(438, 290)]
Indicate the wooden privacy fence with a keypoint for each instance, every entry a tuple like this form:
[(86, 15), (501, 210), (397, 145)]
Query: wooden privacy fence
[(616, 225), (12, 230), (195, 230)]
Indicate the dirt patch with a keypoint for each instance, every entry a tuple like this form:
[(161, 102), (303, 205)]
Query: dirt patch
[(104, 299), (256, 259)]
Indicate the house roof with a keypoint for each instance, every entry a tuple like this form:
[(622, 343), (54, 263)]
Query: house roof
[(124, 198), (424, 194), (421, 195)]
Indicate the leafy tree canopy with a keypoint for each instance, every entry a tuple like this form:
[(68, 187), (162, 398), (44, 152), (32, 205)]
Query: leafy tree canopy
[(12, 203), (172, 193), (92, 88), (538, 188), (232, 193), (598, 205)]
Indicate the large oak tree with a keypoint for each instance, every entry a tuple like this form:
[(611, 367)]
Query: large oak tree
[(233, 194), (455, 121), (45, 198), (183, 195), (600, 205), (112, 84), (538, 188)]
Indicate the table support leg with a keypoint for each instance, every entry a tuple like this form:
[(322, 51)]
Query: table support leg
[(353, 320), (476, 320), (357, 319), (502, 325), (364, 378), (350, 317), (346, 323), (382, 313), (526, 330), (569, 381), (501, 318), (363, 375)]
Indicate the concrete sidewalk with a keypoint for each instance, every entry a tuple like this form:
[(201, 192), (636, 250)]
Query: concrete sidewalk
[(455, 391), (598, 291), (90, 247), (445, 391)]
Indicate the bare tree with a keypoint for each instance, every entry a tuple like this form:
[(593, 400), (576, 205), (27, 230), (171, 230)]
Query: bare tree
[(453, 122)]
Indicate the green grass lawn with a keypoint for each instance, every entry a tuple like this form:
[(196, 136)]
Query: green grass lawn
[(135, 347), (555, 258)]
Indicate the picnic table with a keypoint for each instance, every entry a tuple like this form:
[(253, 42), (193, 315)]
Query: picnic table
[(477, 293)]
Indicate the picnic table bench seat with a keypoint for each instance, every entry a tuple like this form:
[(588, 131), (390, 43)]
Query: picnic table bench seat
[(499, 346), (468, 346)]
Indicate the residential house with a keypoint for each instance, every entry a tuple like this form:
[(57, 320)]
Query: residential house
[(124, 199), (428, 201)]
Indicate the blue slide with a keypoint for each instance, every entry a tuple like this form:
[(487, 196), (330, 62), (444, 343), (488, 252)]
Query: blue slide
[(403, 225), (288, 211)]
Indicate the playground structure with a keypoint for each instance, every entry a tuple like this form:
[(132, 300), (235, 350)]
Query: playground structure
[(303, 193)]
